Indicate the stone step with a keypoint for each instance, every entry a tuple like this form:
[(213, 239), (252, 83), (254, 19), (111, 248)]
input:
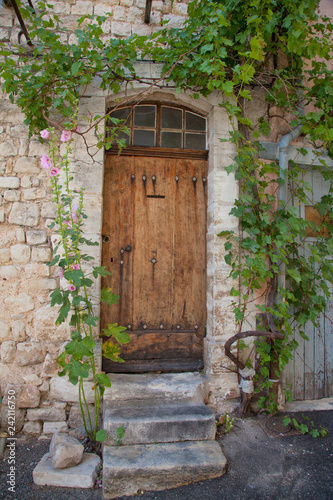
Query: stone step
[(128, 387), (127, 469), (155, 421)]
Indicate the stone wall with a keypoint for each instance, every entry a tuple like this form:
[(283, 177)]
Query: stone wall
[(30, 342)]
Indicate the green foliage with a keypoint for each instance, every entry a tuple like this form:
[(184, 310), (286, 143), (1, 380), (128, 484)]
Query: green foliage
[(78, 358), (282, 48), (226, 46), (228, 422), (305, 428)]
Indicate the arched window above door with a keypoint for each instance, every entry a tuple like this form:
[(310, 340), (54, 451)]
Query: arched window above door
[(161, 125)]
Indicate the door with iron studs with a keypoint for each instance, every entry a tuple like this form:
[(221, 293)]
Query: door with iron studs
[(154, 244)]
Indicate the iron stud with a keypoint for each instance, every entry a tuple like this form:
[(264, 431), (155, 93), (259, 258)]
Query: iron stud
[(176, 178), (178, 327), (153, 177), (144, 178), (196, 327), (145, 327), (194, 179), (153, 260), (129, 327), (161, 326), (204, 179)]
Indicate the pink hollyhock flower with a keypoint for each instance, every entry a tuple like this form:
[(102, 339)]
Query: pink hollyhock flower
[(74, 208), (45, 161), (65, 136), (61, 273), (76, 267), (54, 171), (71, 288), (45, 134)]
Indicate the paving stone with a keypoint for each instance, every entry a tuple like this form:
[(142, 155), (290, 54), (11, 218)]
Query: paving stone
[(127, 469), (81, 476)]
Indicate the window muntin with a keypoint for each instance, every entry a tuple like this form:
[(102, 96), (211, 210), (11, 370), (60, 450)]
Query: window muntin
[(157, 125)]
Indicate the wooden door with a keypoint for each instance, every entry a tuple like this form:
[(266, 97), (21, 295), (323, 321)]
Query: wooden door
[(154, 244), (310, 374)]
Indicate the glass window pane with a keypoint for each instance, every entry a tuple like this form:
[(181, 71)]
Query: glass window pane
[(171, 139), (122, 135), (144, 138), (195, 141), (172, 118), (121, 114), (195, 122), (144, 116)]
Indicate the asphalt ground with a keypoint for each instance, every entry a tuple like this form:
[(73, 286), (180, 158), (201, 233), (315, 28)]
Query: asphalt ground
[(265, 461)]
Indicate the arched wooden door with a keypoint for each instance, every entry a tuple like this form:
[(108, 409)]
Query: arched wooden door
[(154, 244)]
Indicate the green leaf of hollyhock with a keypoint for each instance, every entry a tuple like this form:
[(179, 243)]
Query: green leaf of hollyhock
[(118, 332), (90, 320), (101, 435), (103, 379), (109, 297), (102, 271), (74, 275), (78, 349), (111, 351), (56, 297)]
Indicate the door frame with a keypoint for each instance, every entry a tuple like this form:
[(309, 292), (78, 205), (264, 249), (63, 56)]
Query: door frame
[(220, 382), (221, 195)]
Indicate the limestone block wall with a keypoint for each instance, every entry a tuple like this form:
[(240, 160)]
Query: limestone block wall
[(127, 17), (29, 340)]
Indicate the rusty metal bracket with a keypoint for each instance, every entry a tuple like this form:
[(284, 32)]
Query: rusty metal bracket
[(24, 30), (147, 11)]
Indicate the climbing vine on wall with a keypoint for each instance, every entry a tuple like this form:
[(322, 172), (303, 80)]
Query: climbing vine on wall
[(232, 47), (283, 49)]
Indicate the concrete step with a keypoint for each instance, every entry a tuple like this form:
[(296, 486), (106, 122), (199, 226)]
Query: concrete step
[(155, 421), (127, 469), (128, 387)]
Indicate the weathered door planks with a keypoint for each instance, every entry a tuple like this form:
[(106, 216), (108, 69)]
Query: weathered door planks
[(310, 373), (155, 211)]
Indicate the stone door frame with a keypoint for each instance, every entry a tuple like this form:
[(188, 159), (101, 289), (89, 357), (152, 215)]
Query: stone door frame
[(222, 191)]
